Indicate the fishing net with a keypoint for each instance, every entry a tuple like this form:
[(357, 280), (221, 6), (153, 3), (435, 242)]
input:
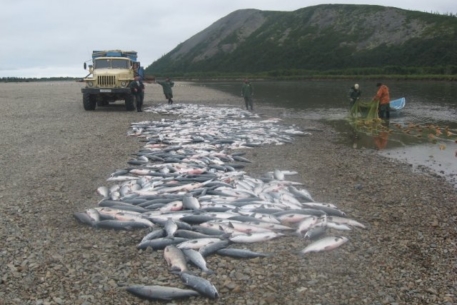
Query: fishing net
[(365, 110), (363, 118)]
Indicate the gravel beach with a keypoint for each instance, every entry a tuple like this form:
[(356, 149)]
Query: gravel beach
[(54, 155)]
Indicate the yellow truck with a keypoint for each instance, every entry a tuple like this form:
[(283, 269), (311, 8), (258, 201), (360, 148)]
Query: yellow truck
[(109, 78)]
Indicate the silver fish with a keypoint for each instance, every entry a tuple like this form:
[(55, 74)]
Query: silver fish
[(196, 244), (154, 234), (103, 191), (213, 247), (175, 258), (93, 213), (160, 243), (315, 232), (325, 244), (120, 225), (240, 253), (254, 237), (197, 259), (170, 227), (306, 224), (85, 219), (161, 292), (347, 221), (201, 285)]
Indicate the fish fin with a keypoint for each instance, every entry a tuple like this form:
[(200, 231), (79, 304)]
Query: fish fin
[(209, 271), (226, 236), (231, 225)]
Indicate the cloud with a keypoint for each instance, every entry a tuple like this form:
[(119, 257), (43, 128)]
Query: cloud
[(54, 38)]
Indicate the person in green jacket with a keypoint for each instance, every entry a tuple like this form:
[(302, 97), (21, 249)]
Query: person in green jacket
[(167, 85), (354, 94), (247, 91)]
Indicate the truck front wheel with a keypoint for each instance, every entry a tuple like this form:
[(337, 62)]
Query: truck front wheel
[(129, 102), (89, 101)]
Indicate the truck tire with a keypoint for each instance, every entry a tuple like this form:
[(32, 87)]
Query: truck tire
[(129, 102), (89, 101)]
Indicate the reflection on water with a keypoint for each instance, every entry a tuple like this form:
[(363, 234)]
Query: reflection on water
[(428, 103)]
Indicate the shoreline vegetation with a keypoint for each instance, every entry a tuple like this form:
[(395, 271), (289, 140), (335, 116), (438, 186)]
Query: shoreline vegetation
[(257, 77)]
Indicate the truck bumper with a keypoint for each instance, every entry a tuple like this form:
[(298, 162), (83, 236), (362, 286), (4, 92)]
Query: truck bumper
[(105, 90)]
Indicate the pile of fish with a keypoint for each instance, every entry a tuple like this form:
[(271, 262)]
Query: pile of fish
[(187, 187)]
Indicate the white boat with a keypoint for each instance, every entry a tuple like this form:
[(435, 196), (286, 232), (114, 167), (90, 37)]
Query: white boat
[(397, 105)]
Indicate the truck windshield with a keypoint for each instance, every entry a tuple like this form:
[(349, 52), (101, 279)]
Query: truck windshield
[(111, 64)]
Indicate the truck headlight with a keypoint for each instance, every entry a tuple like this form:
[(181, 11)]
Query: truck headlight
[(124, 84), (90, 84)]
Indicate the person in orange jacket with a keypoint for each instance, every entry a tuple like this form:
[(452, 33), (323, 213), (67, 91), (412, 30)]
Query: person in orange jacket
[(383, 97)]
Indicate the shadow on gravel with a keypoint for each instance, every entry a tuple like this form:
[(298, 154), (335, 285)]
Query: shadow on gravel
[(111, 108)]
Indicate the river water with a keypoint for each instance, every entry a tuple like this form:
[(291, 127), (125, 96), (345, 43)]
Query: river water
[(421, 135)]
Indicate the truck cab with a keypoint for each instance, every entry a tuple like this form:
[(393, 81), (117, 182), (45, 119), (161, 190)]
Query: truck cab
[(109, 78)]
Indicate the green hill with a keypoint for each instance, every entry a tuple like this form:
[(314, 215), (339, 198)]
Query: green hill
[(330, 39)]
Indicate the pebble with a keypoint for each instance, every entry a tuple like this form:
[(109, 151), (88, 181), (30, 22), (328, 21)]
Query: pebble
[(73, 264)]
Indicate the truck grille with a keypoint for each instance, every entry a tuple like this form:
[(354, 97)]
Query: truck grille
[(106, 80)]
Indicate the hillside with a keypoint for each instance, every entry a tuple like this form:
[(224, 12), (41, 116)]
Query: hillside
[(320, 38)]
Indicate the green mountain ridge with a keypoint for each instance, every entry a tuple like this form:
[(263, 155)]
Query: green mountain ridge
[(330, 37)]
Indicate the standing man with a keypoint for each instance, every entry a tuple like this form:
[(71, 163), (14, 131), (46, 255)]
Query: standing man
[(247, 91), (138, 70), (354, 94), (137, 88), (167, 85), (383, 97)]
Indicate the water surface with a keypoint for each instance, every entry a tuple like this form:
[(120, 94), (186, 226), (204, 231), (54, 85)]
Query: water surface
[(429, 104)]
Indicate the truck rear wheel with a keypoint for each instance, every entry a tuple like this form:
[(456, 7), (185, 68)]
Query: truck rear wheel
[(129, 102), (89, 101)]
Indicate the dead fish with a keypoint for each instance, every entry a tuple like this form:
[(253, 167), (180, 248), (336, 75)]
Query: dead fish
[(301, 193), (175, 258), (85, 219), (170, 227), (196, 244), (154, 234), (197, 259), (337, 226), (103, 191), (213, 247), (160, 243), (306, 224), (93, 213), (325, 244), (191, 234), (200, 284), (121, 225), (254, 237), (315, 232), (160, 292), (240, 253), (347, 221), (278, 174)]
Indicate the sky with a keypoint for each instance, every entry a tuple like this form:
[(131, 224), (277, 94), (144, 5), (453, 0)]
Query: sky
[(53, 38)]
